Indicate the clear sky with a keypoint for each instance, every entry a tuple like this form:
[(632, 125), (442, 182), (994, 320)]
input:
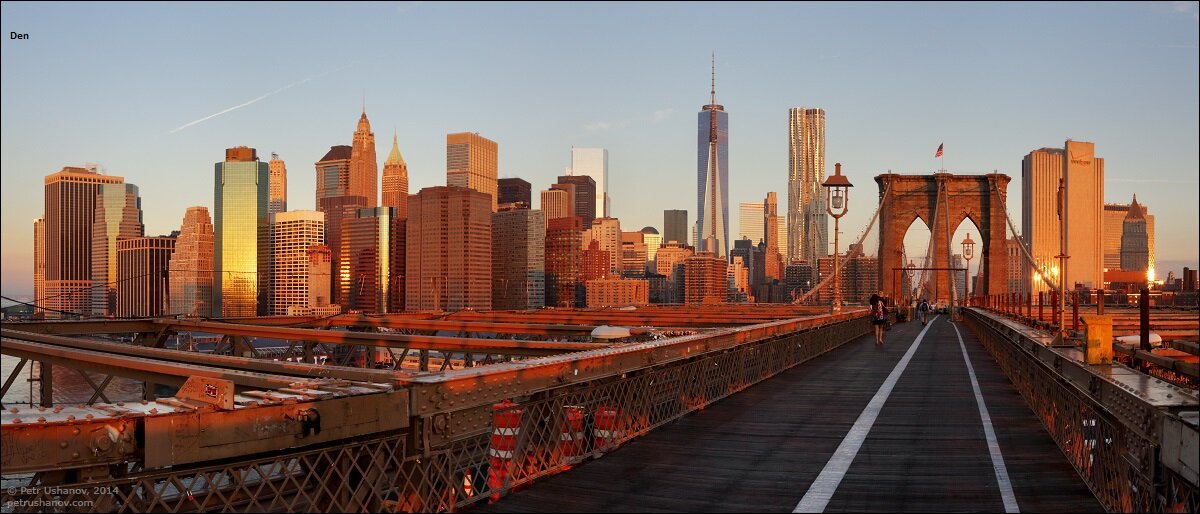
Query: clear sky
[(107, 83)]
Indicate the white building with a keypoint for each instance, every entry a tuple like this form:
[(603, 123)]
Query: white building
[(593, 162)]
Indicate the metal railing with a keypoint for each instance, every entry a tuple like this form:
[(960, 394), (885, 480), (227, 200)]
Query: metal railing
[(1113, 434), (1040, 312), (472, 434)]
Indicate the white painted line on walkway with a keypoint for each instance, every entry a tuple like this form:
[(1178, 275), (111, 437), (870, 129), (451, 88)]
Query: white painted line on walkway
[(1006, 491), (822, 489)]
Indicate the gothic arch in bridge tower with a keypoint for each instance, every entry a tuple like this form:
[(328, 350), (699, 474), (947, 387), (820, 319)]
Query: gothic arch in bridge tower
[(943, 201)]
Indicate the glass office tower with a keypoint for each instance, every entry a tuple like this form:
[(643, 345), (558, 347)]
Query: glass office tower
[(240, 242)]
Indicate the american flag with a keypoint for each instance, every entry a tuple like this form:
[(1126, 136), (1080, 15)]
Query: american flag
[(939, 152)]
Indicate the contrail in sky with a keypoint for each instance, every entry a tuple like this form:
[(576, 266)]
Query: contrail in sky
[(239, 106)]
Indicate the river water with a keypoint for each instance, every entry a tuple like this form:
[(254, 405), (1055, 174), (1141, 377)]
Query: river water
[(69, 386)]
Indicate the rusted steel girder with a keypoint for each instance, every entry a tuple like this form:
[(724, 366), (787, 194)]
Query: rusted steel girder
[(296, 369), (400, 322), (293, 320), (468, 387), (112, 326), (139, 368), (182, 430), (728, 317), (454, 344)]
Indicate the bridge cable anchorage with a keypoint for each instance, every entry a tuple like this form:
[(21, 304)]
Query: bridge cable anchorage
[(1021, 243), (808, 295)]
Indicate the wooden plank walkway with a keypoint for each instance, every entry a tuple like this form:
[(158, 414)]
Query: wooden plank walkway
[(761, 450)]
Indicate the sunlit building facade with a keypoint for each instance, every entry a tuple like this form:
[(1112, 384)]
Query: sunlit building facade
[(142, 276), (1135, 248), (705, 279), (240, 234), (595, 263), (449, 249), (712, 179), (607, 231), (557, 203), (750, 221), (1015, 274), (593, 162), (653, 241), (472, 162), (318, 285), (39, 265), (395, 180), (364, 169), (617, 292), (772, 236), (372, 263), (518, 259), (583, 188), (668, 262), (191, 266), (564, 252), (335, 200), (118, 216), (277, 194), (1082, 174), (859, 279), (633, 254), (333, 172), (294, 232), (70, 209), (807, 219), (1114, 227)]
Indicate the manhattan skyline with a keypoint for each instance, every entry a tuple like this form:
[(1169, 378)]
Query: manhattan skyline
[(135, 88)]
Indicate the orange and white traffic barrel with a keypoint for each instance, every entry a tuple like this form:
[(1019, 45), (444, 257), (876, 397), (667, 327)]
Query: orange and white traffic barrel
[(506, 423), (605, 428), (571, 439)]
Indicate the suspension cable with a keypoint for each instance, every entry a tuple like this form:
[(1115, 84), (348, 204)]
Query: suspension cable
[(1024, 249), (816, 266), (937, 205)]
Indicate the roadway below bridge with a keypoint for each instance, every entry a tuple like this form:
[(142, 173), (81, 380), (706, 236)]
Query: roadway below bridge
[(895, 428)]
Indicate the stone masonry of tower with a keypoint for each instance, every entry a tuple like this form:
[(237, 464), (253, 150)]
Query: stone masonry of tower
[(978, 197)]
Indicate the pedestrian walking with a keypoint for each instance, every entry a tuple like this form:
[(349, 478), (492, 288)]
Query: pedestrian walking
[(878, 316)]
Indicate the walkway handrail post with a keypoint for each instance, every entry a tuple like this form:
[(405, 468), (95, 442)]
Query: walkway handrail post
[(1075, 312), (1054, 311), (1041, 305), (1145, 319)]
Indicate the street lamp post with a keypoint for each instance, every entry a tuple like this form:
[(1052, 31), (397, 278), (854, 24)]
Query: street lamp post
[(968, 247), (837, 203), (910, 271), (1062, 258)]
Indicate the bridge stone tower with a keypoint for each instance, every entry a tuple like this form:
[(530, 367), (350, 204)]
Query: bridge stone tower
[(943, 201)]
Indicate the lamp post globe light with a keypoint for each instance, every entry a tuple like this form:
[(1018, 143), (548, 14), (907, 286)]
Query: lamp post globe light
[(968, 251), (837, 189)]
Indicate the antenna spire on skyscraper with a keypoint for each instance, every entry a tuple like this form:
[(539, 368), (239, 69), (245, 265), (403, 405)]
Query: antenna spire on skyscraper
[(713, 91)]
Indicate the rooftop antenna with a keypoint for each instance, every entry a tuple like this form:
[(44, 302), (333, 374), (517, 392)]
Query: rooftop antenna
[(713, 92), (364, 100)]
